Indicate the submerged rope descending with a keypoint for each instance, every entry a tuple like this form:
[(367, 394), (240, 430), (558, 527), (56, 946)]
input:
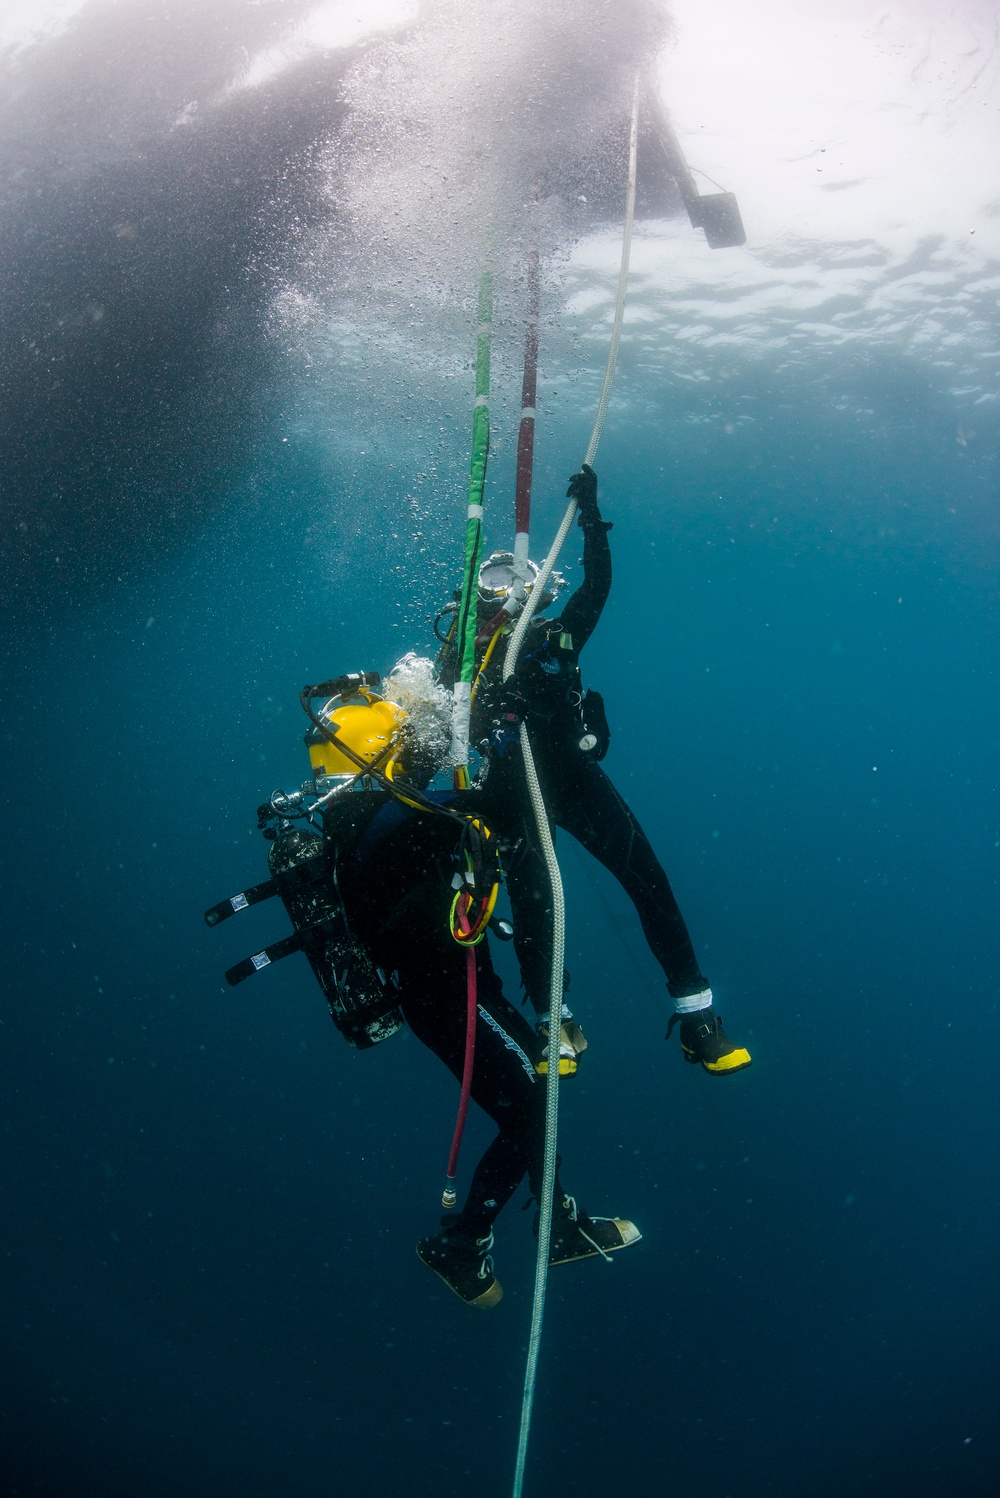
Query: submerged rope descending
[(549, 852)]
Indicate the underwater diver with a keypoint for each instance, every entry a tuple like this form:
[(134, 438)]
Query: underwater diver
[(569, 736), (365, 861), (397, 889)]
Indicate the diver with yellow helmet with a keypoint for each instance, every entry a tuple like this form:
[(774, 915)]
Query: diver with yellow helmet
[(371, 865), (569, 736)]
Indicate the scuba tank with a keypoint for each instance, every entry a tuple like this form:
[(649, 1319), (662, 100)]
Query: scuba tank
[(359, 994), (303, 865), (303, 869)]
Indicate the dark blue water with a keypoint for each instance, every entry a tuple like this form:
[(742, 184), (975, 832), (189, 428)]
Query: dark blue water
[(231, 480)]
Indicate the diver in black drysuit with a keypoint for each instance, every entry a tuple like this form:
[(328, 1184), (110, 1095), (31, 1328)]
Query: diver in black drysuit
[(569, 734), (398, 894), (397, 891)]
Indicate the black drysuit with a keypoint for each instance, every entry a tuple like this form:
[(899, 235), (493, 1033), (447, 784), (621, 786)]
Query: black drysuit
[(396, 885), (579, 796)]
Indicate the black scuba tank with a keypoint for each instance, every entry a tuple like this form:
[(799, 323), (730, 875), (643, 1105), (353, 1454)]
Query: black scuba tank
[(358, 993), (303, 868), (360, 997)]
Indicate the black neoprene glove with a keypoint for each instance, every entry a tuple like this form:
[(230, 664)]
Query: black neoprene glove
[(583, 488)]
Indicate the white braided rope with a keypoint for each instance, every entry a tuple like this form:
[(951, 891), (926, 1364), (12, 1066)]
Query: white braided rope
[(549, 852)]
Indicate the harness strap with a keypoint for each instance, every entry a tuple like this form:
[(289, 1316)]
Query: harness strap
[(273, 953), (246, 897), (305, 871), (302, 940)]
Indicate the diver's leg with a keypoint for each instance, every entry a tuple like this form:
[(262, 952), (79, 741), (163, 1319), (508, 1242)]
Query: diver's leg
[(586, 804), (530, 889), (506, 1086), (509, 812), (504, 1082)]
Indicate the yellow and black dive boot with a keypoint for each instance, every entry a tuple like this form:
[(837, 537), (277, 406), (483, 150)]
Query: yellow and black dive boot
[(463, 1261), (577, 1236), (572, 1044), (703, 1039)]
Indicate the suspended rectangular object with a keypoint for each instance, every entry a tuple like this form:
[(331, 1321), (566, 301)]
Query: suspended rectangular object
[(719, 215)]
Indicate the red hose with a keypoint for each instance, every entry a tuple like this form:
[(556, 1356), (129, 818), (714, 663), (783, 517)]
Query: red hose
[(526, 431), (470, 1053), (522, 518)]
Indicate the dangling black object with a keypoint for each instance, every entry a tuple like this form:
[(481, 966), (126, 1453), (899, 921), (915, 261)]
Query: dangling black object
[(717, 213)]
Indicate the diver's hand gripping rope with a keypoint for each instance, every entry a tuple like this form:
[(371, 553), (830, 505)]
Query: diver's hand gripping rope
[(548, 848)]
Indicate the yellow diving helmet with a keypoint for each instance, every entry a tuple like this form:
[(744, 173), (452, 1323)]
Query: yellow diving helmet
[(366, 724)]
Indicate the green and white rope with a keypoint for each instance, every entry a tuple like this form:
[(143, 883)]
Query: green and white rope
[(465, 635)]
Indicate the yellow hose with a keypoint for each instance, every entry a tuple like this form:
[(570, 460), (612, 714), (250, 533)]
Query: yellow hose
[(486, 659)]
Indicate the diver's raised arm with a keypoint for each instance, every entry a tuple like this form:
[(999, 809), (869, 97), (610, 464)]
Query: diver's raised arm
[(584, 608)]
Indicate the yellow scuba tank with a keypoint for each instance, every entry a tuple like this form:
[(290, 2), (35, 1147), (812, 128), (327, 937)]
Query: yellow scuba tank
[(368, 727)]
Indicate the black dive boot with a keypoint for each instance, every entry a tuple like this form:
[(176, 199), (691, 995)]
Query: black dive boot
[(577, 1236), (703, 1039), (463, 1261)]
